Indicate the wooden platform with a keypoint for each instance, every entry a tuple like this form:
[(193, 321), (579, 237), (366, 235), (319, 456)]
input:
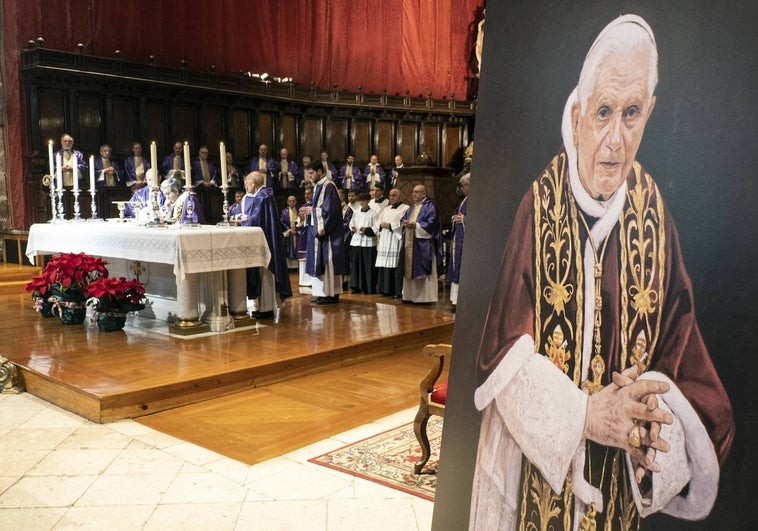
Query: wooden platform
[(138, 371)]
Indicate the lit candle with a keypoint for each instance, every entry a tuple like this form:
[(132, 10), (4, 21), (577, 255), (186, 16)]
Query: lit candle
[(50, 158), (76, 172), (187, 164), (222, 150), (153, 161), (59, 173), (91, 172)]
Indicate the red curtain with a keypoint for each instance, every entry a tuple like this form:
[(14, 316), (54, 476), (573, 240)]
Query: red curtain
[(397, 45)]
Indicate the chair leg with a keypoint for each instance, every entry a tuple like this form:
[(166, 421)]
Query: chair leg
[(419, 428)]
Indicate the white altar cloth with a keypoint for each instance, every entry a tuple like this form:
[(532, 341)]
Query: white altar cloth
[(190, 249)]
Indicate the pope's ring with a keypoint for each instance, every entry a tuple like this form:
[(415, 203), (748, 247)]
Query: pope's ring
[(635, 440)]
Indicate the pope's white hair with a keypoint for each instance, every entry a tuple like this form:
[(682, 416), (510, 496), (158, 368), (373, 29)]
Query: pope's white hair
[(623, 36)]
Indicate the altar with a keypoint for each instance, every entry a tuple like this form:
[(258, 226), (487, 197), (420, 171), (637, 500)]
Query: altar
[(191, 274)]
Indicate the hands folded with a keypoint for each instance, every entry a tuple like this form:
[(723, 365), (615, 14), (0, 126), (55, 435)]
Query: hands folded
[(625, 414)]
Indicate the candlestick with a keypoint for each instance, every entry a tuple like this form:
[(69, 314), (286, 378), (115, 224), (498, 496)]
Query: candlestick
[(153, 162), (61, 213), (59, 172), (222, 150), (53, 206), (91, 172), (93, 203), (77, 211), (50, 158), (187, 170)]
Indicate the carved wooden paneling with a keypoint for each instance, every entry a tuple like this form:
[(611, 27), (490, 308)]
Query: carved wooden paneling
[(407, 141), (452, 148), (311, 136), (88, 117), (184, 126), (288, 135), (52, 114), (240, 142), (430, 141), (336, 139), (361, 140), (265, 130), (384, 141), (156, 118), (212, 129), (124, 126)]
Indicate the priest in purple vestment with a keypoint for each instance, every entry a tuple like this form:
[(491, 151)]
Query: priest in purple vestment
[(271, 285), (288, 220), (326, 259), (421, 252), (459, 231), (107, 171)]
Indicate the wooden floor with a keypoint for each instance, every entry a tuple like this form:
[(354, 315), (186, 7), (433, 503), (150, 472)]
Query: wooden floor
[(257, 392)]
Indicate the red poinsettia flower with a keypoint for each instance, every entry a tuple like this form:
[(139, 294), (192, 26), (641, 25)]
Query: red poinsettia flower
[(109, 294), (69, 271)]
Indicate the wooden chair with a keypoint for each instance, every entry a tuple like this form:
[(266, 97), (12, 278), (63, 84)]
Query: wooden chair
[(433, 397)]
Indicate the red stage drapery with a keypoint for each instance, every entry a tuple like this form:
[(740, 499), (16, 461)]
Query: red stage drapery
[(413, 45)]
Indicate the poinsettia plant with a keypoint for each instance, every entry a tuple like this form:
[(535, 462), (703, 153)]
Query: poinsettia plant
[(110, 294), (67, 271)]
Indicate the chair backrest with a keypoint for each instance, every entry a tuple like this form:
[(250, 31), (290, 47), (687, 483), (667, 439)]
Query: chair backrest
[(438, 353)]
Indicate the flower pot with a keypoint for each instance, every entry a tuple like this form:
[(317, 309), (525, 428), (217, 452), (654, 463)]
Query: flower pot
[(43, 306), (69, 305), (111, 321)]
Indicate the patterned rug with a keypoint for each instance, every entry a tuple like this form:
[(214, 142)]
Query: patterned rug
[(388, 459)]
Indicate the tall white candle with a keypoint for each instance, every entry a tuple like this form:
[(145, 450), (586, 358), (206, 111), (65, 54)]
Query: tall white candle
[(50, 158), (75, 162), (187, 170), (59, 171), (153, 162), (91, 172), (222, 150)]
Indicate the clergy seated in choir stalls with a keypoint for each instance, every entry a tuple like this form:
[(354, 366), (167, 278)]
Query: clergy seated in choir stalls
[(374, 173), (263, 163), (135, 167), (287, 171), (180, 207), (268, 287), (107, 171), (350, 177), (233, 173), (330, 170), (394, 172), (204, 172), (174, 160), (71, 160), (303, 176)]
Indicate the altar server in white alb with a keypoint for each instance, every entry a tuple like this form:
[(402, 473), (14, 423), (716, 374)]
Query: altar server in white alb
[(390, 238)]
